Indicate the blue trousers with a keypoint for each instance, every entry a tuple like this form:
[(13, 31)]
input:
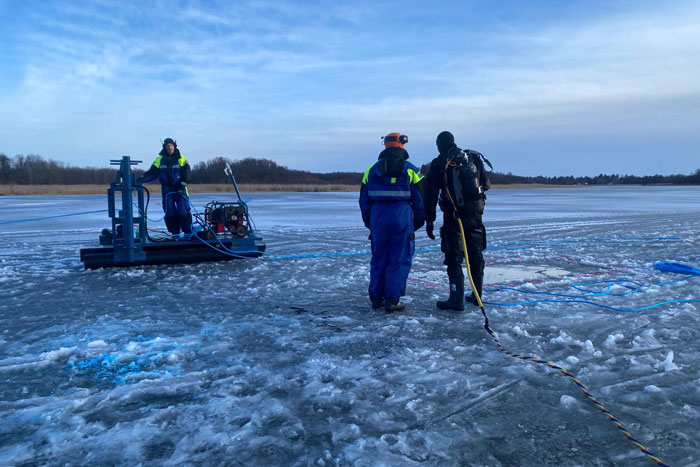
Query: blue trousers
[(391, 226), (177, 213)]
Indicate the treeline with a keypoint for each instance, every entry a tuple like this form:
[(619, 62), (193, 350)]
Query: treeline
[(252, 170), (614, 179), (35, 170)]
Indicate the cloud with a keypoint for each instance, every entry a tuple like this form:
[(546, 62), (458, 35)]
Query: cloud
[(230, 76)]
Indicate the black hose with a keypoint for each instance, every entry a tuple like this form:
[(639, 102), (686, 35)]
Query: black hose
[(145, 214)]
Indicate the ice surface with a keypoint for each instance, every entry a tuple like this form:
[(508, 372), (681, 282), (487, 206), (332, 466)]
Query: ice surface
[(284, 362)]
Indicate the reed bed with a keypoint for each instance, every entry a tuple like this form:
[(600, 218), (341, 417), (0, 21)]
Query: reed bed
[(54, 190)]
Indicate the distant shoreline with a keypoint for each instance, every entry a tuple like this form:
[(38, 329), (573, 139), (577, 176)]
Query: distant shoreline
[(57, 190), (54, 190)]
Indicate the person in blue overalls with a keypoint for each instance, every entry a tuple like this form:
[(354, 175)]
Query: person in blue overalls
[(173, 171), (392, 209)]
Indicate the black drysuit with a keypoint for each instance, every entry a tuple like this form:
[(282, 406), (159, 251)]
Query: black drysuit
[(450, 236)]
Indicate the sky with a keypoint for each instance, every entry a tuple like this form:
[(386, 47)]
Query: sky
[(540, 87)]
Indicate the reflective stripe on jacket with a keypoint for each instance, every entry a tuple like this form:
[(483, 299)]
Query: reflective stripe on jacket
[(180, 162), (380, 188), (171, 171)]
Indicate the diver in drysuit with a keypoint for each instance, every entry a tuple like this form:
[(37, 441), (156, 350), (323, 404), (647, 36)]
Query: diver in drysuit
[(457, 180)]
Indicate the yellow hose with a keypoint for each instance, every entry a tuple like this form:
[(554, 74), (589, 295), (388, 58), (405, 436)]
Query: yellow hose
[(466, 258)]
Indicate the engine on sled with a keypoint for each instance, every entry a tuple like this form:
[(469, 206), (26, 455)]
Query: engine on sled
[(230, 218)]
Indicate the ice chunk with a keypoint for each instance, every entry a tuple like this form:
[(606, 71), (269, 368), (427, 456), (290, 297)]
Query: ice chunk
[(97, 343), (667, 364), (54, 355), (571, 360), (646, 340), (690, 411), (612, 340), (567, 401)]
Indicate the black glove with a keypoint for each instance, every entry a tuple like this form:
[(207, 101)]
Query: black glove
[(366, 224), (429, 230), (139, 180)]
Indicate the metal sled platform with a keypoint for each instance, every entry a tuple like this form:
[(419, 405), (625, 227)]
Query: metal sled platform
[(176, 252), (226, 231)]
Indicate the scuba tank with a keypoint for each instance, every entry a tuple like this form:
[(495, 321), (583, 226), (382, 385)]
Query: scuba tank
[(463, 182)]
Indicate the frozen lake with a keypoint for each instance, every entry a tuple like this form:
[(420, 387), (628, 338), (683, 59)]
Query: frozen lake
[(284, 362)]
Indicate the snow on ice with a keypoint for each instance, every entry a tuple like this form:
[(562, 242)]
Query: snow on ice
[(285, 363)]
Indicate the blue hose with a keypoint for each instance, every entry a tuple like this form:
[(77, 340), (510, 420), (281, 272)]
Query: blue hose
[(635, 287), (51, 217), (669, 266), (626, 310)]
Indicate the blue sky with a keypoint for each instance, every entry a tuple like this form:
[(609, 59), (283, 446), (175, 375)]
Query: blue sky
[(540, 87)]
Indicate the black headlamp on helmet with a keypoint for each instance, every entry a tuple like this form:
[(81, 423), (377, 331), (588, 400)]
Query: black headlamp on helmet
[(403, 139), (394, 140)]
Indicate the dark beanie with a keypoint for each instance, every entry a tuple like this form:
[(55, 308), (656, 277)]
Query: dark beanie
[(445, 141)]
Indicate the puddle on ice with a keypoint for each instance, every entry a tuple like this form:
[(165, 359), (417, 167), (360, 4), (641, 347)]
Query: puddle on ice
[(499, 275), (494, 275)]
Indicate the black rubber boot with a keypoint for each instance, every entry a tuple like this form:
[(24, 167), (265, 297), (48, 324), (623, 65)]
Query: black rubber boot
[(377, 304), (471, 298), (456, 300), (478, 278), (171, 222), (394, 304), (185, 222)]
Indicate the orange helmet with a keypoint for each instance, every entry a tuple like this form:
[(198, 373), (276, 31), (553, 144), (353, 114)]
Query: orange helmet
[(395, 140)]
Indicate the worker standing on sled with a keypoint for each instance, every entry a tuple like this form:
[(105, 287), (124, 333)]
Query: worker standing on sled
[(392, 209), (173, 171), (458, 179)]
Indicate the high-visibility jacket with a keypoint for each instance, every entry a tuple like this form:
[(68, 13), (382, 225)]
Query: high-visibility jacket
[(392, 208), (170, 170), (378, 188)]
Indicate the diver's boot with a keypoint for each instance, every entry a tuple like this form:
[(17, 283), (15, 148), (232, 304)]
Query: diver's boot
[(456, 299), (471, 298), (394, 304)]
